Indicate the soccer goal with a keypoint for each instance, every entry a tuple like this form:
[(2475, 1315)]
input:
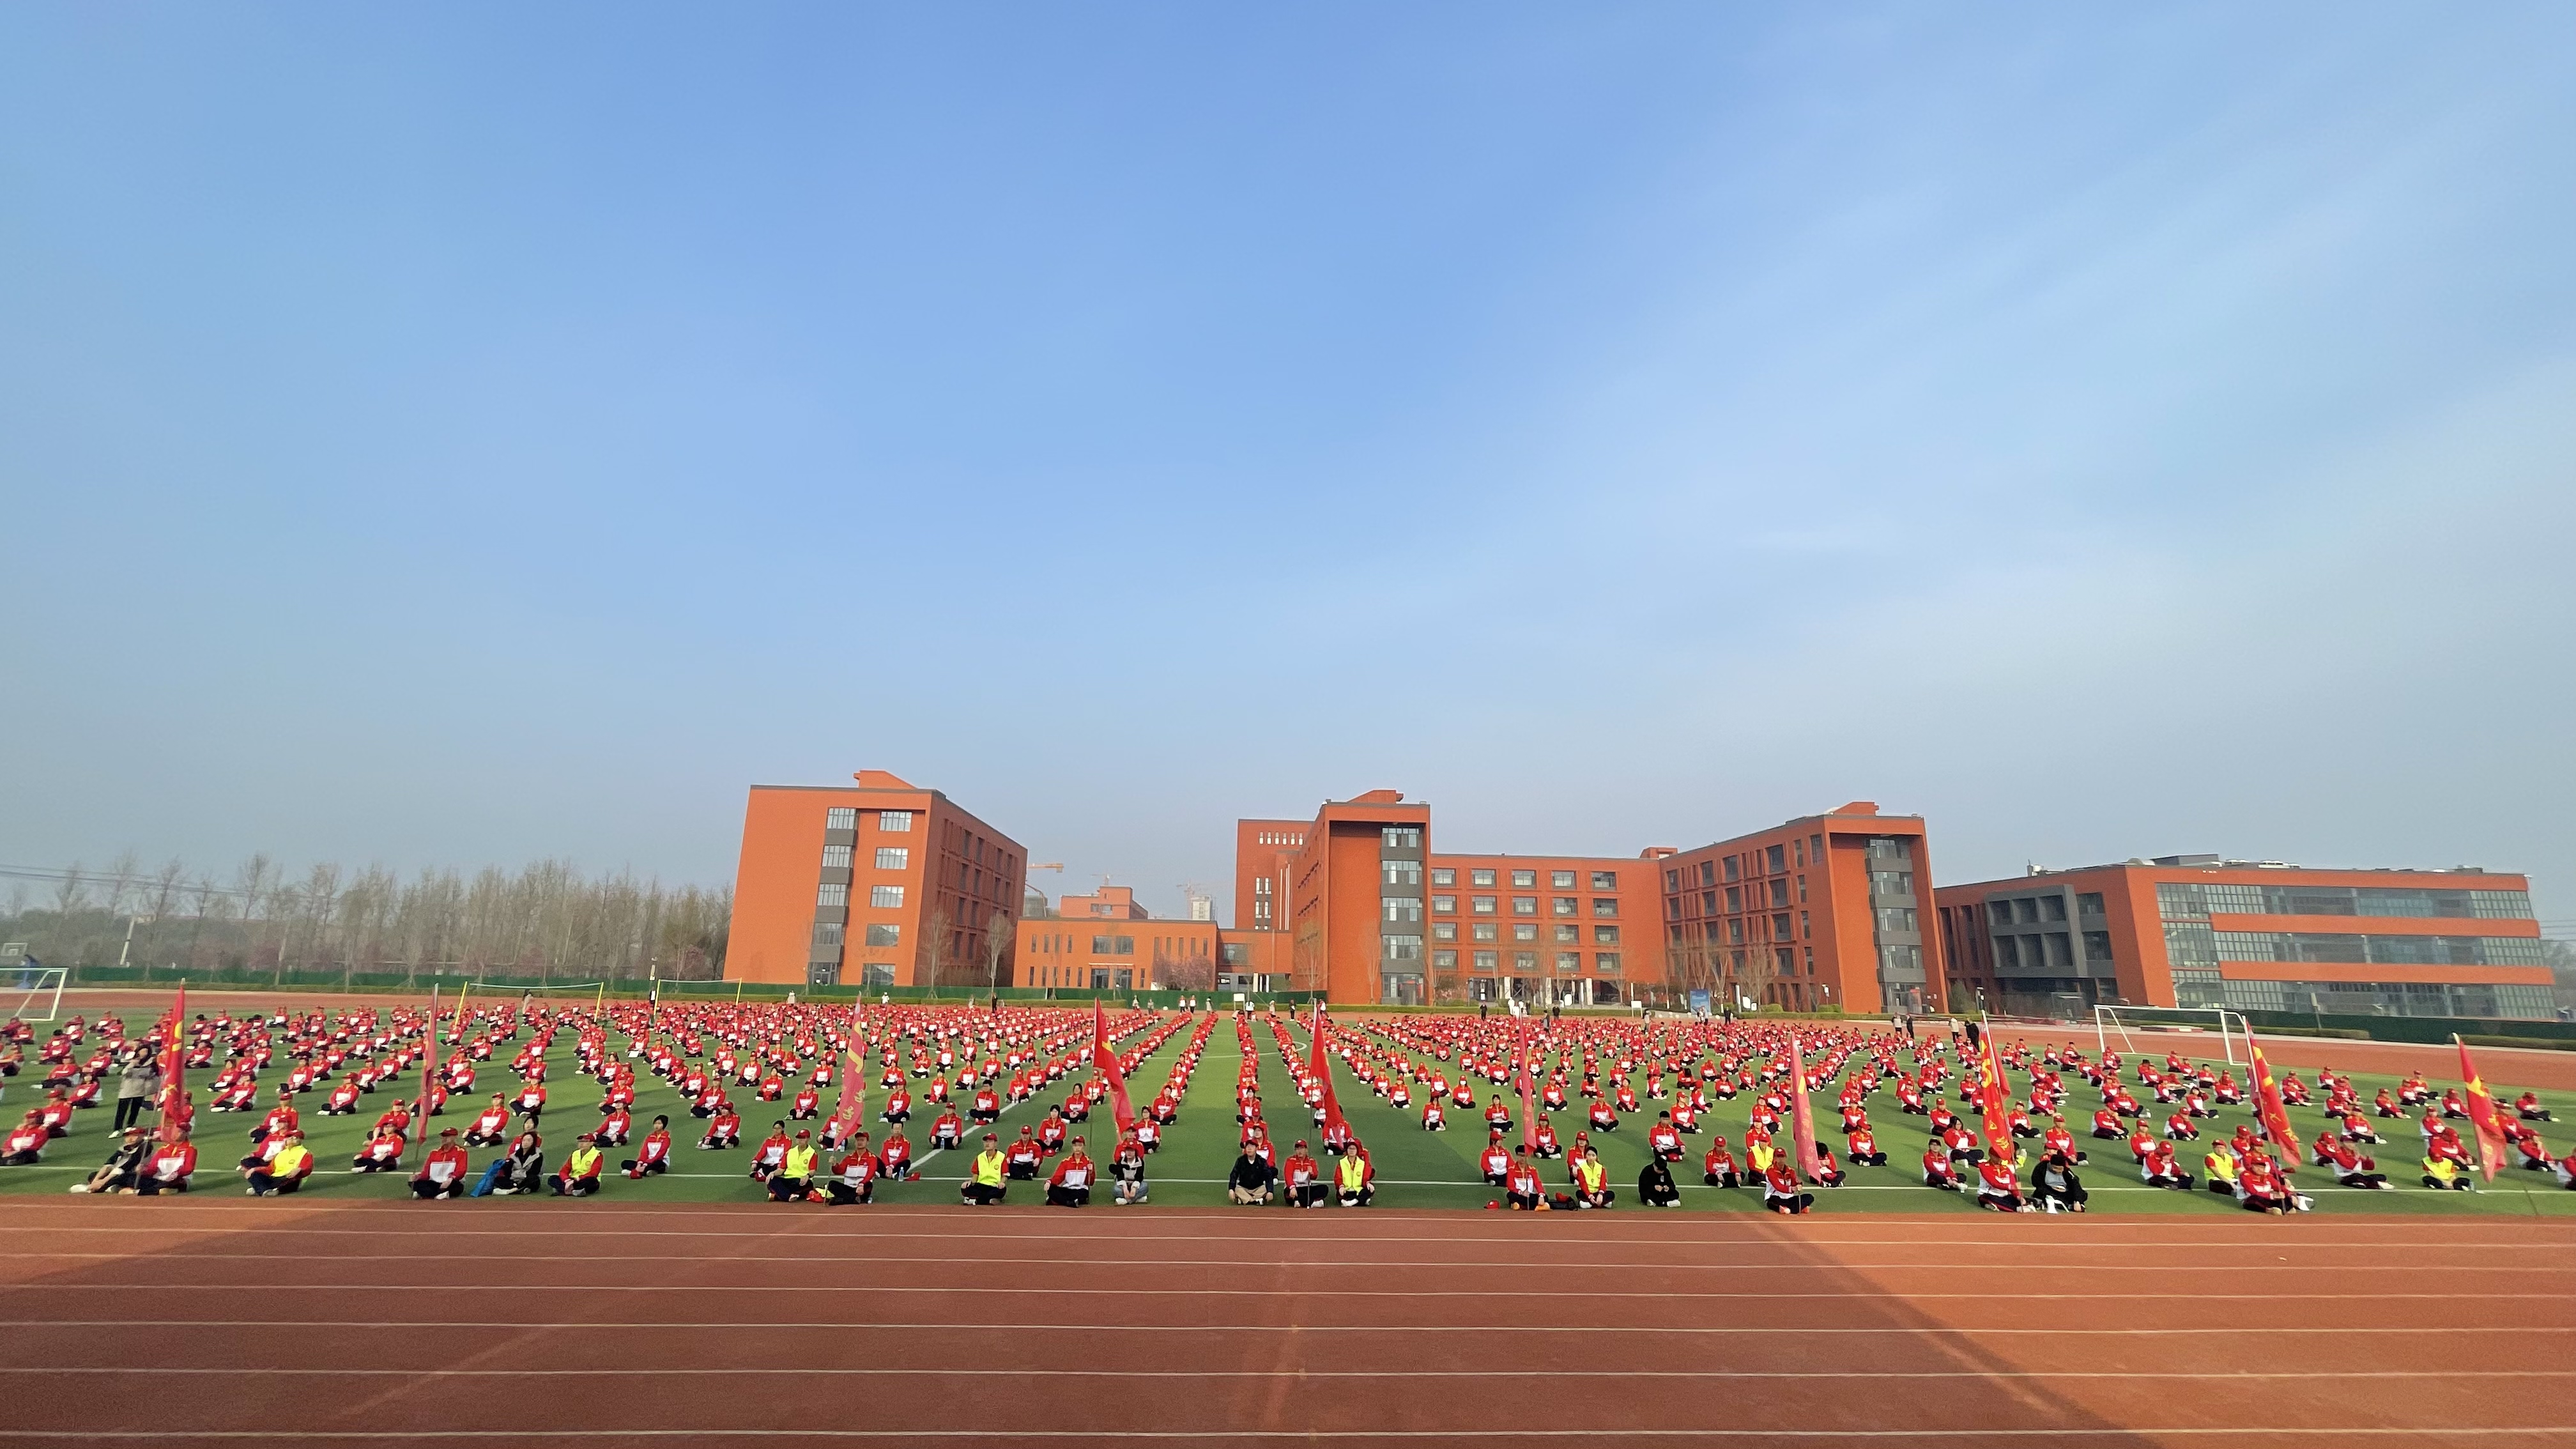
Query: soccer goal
[(595, 991), (35, 993), (2154, 1020)]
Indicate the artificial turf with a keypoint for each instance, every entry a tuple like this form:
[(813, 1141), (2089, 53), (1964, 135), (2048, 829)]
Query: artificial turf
[(1415, 1169)]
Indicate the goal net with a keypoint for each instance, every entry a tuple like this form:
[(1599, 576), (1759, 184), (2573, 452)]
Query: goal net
[(2166, 1027), (593, 994), (32, 993)]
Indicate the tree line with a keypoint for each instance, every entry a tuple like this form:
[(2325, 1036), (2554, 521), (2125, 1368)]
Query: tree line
[(546, 921)]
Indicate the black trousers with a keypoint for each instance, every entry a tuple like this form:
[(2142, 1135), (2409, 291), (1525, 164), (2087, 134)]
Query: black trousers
[(129, 1111)]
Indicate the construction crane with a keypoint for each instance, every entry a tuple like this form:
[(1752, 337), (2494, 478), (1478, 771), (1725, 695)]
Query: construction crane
[(1202, 904)]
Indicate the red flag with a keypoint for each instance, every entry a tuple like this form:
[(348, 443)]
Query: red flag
[(2269, 1106), (854, 1087), (1997, 1123), (2482, 1114), (1322, 1069), (1522, 1080), (174, 1064), (1107, 1061), (1802, 1113)]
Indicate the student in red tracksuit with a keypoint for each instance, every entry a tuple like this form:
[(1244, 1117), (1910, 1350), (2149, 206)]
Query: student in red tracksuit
[(491, 1126), (1938, 1170), (1997, 1187), (854, 1177), (169, 1167), (1521, 1188), (1304, 1178), (1717, 1169), (894, 1159), (443, 1174), (1070, 1184), (1780, 1192), (1495, 1161), (772, 1151), (26, 1144), (280, 1118), (655, 1153), (1022, 1157)]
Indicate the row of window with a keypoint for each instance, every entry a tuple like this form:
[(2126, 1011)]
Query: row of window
[(1564, 935), (2377, 950), (833, 933), (2052, 950), (1767, 860), (846, 817), (1521, 905), (883, 898), (2365, 998), (1738, 899), (1567, 963), (2030, 910), (2191, 901), (889, 857), (1564, 880)]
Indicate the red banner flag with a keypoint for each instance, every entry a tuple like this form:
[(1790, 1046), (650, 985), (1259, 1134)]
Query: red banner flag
[(2269, 1107), (1523, 1082), (1802, 1113), (174, 1065), (1107, 1061), (1321, 1068), (2482, 1114), (854, 1087), (1996, 1123)]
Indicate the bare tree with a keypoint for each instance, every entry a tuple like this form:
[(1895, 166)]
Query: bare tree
[(997, 944), (935, 952)]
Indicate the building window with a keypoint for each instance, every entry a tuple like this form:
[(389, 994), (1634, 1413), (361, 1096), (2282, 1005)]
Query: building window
[(1802, 890), (828, 933), (1113, 945), (1730, 867), (1523, 931), (1779, 893), (1569, 935), (1445, 875), (841, 817), (1485, 931), (1402, 948), (1481, 905), (1403, 872), (2097, 946), (836, 857), (1444, 960), (1798, 853), (1524, 905), (1444, 930), (1524, 962), (1896, 918), (1804, 929), (1606, 962), (885, 935), (1568, 962), (1734, 900), (2052, 908), (2089, 904), (1605, 935), (1735, 932), (1480, 877), (1402, 908), (886, 898), (1563, 879), (1563, 906), (1608, 880), (1672, 880), (832, 893), (893, 857), (1778, 858), (1524, 879), (895, 821), (1891, 882), (1483, 960), (1605, 905), (1444, 905), (1401, 837), (1816, 848), (1780, 927)]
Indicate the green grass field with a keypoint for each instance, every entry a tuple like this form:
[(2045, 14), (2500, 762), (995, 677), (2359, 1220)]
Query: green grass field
[(1416, 1169)]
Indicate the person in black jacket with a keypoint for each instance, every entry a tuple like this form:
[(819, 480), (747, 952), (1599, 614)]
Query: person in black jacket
[(1249, 1182), (2054, 1187), (1655, 1185)]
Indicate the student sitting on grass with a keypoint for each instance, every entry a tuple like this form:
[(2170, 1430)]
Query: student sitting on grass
[(25, 1144), (986, 1180), (655, 1153), (2054, 1186), (521, 1169), (580, 1174), (793, 1179), (169, 1167), (1521, 1189), (382, 1153), (1592, 1181), (124, 1162), (442, 1175), (2443, 1175), (1127, 1172), (854, 1177), (2162, 1169), (1655, 1185), (1070, 1185), (1780, 1192), (724, 1130), (1938, 1170), (1997, 1189), (1248, 1183), (1355, 1177), (285, 1169)]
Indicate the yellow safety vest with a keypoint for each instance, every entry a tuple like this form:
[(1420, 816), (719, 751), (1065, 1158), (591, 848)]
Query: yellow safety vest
[(2441, 1167), (799, 1163), (988, 1168), (1590, 1172), (583, 1159), (2221, 1165), (289, 1160), (1351, 1171)]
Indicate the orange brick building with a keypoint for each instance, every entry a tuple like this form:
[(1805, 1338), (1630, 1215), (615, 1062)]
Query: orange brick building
[(878, 883), (1571, 930), (1107, 942), (2196, 930), (1821, 911)]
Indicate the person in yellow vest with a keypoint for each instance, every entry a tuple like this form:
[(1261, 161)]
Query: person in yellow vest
[(984, 1184), (2443, 1175), (580, 1174), (2221, 1163), (1354, 1177), (1758, 1153), (1592, 1181), (285, 1169), (794, 1179)]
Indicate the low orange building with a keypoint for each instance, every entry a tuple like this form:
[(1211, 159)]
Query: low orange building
[(2197, 930), (873, 884), (1108, 942)]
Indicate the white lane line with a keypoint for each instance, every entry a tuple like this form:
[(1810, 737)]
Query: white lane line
[(1496, 1435), (1475, 1294), (2199, 1331), (2220, 1376), (1272, 1265)]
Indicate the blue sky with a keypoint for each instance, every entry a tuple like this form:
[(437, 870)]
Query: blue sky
[(439, 436)]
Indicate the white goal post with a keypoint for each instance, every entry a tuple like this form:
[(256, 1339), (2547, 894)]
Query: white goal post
[(513, 991), (41, 986), (2120, 1019)]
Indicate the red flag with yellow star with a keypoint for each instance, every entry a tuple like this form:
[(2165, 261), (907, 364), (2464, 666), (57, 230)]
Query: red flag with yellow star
[(1996, 1121), (2482, 1114), (2268, 1106)]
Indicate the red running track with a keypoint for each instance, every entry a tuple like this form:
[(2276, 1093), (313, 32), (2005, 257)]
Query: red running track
[(217, 1321)]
